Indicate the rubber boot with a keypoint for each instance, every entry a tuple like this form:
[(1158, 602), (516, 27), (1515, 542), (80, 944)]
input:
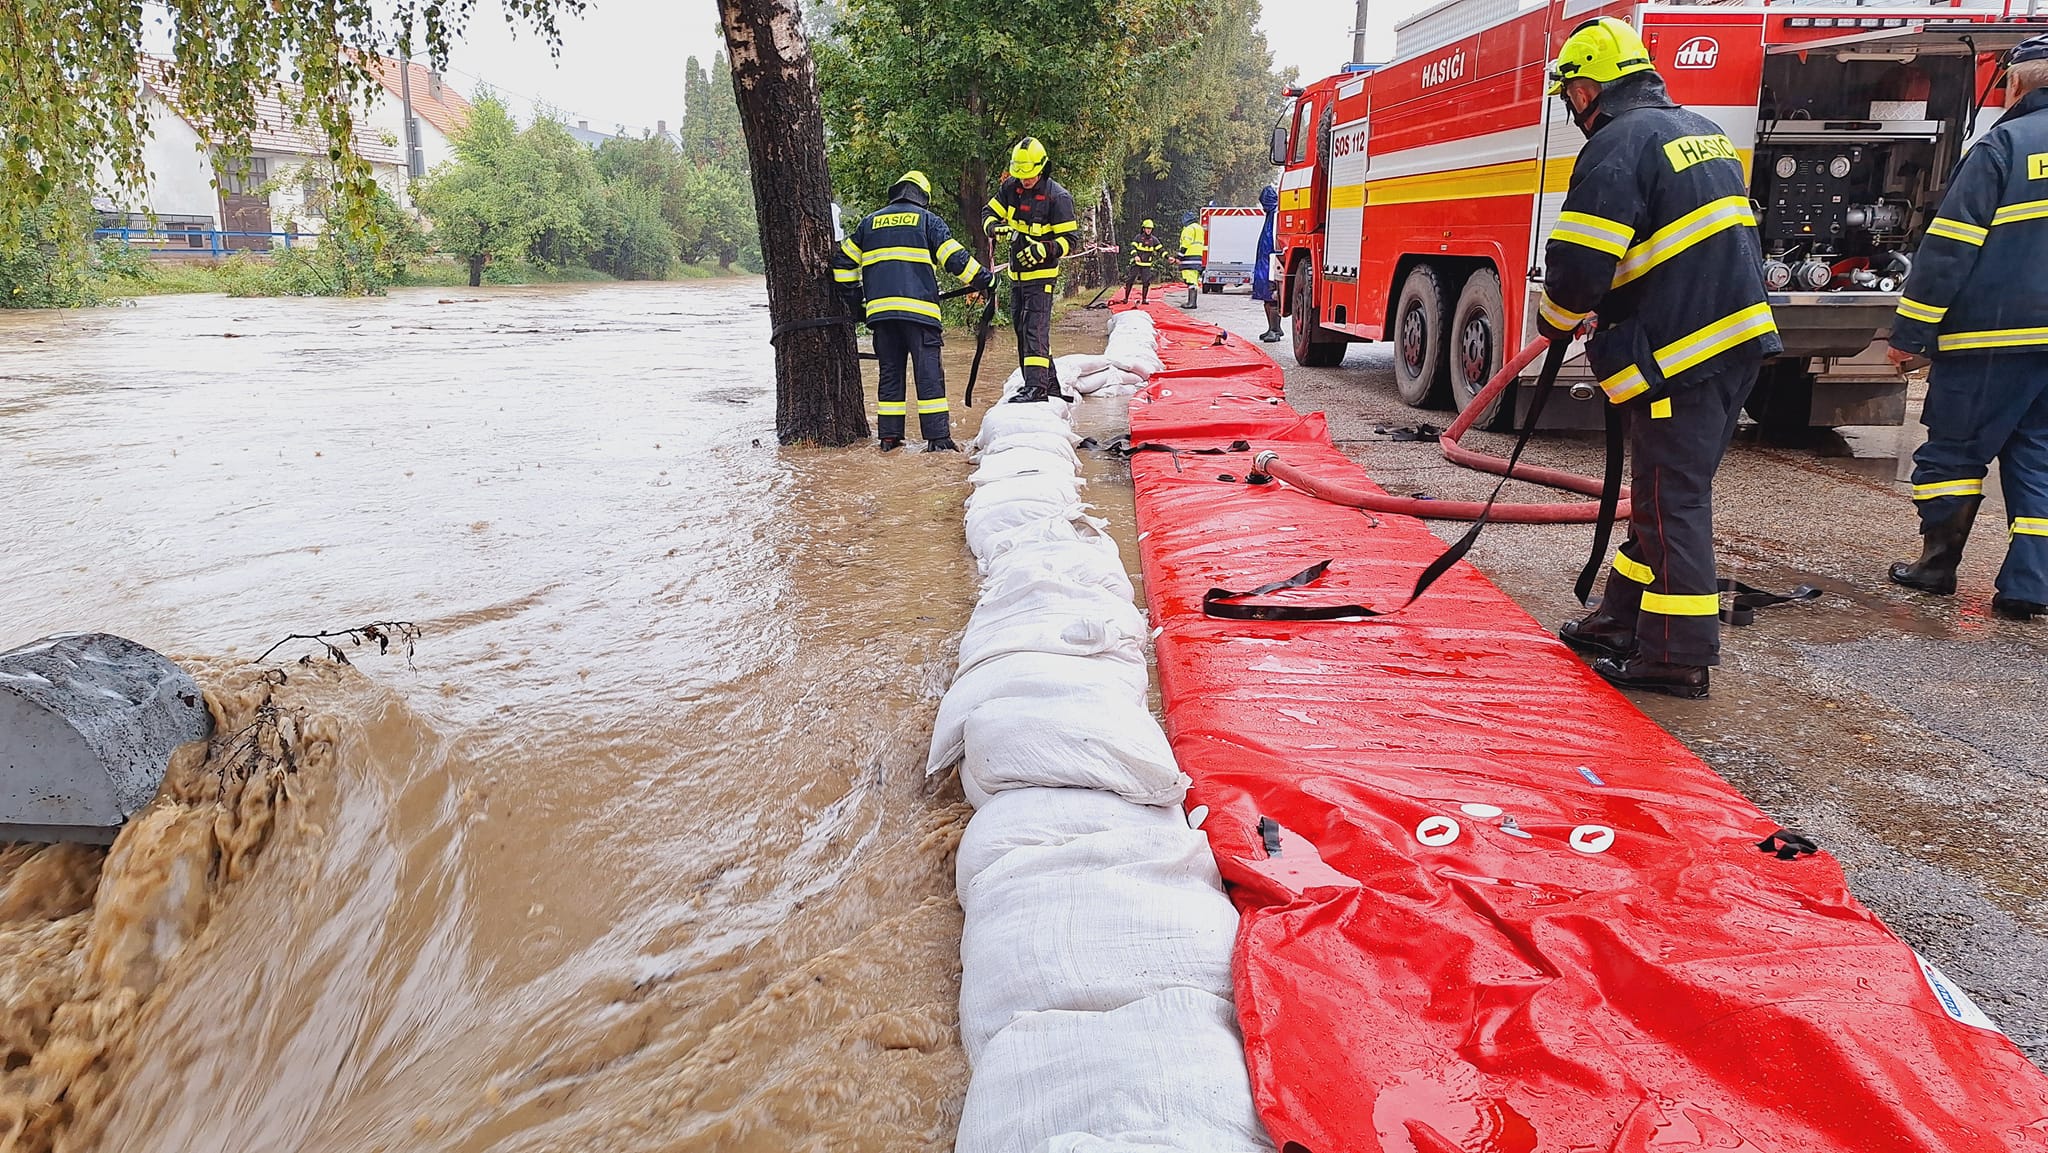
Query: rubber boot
[(1648, 676), (1940, 552), (1031, 394), (891, 443), (943, 444), (1272, 335), (2017, 610), (1599, 637)]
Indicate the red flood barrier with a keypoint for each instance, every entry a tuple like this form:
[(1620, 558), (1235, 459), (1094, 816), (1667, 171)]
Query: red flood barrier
[(1487, 906)]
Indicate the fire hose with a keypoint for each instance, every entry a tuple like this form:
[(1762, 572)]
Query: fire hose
[(1268, 463)]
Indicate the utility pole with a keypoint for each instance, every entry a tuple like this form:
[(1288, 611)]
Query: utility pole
[(415, 160), (1358, 36)]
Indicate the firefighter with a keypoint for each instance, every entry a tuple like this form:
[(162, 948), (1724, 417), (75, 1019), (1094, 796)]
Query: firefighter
[(1657, 235), (888, 269), (1262, 265), (1976, 302), (1194, 246), (1145, 252), (1039, 216)]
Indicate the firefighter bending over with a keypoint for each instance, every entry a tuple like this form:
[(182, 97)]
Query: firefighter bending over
[(1657, 236), (1039, 216), (889, 264), (1977, 303), (1194, 249), (1145, 250)]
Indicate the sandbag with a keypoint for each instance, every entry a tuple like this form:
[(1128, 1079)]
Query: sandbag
[(1068, 548), (1036, 683), (1003, 419), (1042, 440), (1041, 575), (1108, 378), (1090, 941), (1073, 627), (1044, 818), (1167, 1070), (987, 524), (1078, 364), (1116, 747), (1022, 462)]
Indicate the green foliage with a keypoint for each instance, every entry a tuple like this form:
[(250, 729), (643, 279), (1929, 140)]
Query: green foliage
[(634, 242), (72, 78), (50, 265)]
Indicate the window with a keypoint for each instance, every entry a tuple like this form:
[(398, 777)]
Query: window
[(247, 180), (1304, 129), (313, 194)]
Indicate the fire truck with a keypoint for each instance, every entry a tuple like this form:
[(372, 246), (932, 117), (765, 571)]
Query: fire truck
[(1416, 197)]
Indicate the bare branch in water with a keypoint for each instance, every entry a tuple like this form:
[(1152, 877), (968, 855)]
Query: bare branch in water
[(381, 633)]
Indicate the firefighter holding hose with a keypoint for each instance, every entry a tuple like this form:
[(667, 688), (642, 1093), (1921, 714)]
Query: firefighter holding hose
[(1145, 252), (1039, 216), (1977, 303), (1658, 237)]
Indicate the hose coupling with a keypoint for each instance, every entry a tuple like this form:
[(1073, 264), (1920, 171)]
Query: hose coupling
[(1583, 390), (1259, 464)]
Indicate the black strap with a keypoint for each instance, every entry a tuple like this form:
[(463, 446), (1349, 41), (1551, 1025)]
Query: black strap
[(1215, 602), (1269, 835), (787, 327), (1610, 503), (1748, 600), (1789, 844), (981, 331)]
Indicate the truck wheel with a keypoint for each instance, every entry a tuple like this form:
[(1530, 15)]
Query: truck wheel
[(1477, 332), (1212, 289), (1420, 373), (1312, 349), (1782, 402)]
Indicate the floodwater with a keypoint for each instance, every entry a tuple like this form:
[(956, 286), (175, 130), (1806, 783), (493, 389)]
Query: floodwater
[(634, 853)]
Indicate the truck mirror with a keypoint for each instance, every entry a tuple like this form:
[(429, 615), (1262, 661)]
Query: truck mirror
[(1280, 145)]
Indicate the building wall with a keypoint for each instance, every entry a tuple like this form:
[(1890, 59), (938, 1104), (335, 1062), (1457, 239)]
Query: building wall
[(387, 118), (180, 173)]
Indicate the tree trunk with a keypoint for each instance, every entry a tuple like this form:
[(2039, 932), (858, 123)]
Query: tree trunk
[(476, 270), (818, 393)]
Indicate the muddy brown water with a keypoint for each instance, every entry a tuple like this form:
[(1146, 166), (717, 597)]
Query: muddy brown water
[(635, 853)]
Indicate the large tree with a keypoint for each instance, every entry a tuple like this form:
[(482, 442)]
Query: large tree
[(817, 368)]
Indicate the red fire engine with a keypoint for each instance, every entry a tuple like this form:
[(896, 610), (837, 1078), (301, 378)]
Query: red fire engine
[(1416, 197)]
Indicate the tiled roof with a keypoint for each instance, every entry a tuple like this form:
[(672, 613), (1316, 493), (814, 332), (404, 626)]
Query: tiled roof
[(276, 130), (434, 100)]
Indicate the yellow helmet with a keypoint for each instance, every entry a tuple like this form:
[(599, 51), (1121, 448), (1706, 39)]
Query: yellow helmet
[(1149, 224), (916, 178), (1602, 50), (1027, 159)]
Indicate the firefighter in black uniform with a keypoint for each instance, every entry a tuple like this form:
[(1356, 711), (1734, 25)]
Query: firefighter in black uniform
[(1039, 216), (1657, 235), (889, 267), (1977, 303), (1145, 252)]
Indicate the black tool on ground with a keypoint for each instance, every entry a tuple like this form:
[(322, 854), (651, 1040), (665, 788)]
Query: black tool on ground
[(981, 331), (1789, 844), (1219, 602), (1742, 611), (1410, 433)]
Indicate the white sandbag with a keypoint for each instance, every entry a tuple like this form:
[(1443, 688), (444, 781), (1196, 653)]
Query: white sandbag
[(1140, 362), (1117, 748), (1111, 377), (1022, 462), (1167, 1070), (1042, 684), (1085, 629), (1076, 365), (1059, 443), (1003, 419), (1088, 1143), (1087, 942), (1044, 818), (1071, 549), (1038, 575), (987, 525), (1087, 385)]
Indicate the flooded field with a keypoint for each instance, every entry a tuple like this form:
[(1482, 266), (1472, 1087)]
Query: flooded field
[(635, 853)]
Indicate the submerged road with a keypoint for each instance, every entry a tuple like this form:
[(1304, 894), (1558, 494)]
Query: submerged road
[(1907, 733)]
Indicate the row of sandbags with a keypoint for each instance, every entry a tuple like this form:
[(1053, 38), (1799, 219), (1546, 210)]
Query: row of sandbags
[(1120, 369), (1095, 961)]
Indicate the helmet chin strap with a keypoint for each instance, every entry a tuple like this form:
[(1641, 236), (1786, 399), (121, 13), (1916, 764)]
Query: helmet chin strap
[(1588, 120)]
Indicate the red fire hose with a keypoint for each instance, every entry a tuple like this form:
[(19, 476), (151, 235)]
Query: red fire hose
[(1568, 512)]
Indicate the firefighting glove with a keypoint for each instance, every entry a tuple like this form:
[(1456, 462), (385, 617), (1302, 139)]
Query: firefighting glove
[(984, 281), (1027, 256)]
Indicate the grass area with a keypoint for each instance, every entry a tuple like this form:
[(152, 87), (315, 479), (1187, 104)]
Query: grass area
[(171, 277)]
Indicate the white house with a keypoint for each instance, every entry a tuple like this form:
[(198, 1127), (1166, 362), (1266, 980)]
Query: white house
[(281, 187), (438, 110)]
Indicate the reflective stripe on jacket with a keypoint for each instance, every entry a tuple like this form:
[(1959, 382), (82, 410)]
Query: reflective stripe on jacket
[(895, 255), (1144, 252), (1044, 213), (1657, 235), (1979, 282)]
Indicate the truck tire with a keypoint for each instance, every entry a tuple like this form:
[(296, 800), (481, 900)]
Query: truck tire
[(1312, 347), (1782, 402), (1212, 289), (1477, 338), (1421, 374)]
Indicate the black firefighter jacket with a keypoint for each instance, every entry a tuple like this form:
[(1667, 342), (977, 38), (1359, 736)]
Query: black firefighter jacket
[(1044, 214), (1980, 281), (1657, 235), (894, 255)]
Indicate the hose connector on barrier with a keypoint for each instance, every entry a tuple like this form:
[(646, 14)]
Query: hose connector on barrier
[(1259, 475)]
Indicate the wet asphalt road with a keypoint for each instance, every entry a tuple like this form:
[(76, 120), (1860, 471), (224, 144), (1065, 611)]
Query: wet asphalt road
[(1907, 733)]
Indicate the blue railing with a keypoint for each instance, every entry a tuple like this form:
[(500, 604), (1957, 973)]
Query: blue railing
[(198, 241)]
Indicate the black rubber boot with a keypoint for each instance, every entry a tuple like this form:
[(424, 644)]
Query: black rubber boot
[(943, 444), (1600, 638), (891, 443), (1647, 676), (1031, 394), (2017, 610), (1941, 550), (1272, 336)]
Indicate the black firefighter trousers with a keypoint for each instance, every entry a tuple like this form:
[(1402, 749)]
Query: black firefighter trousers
[(1031, 312), (1664, 584), (897, 341)]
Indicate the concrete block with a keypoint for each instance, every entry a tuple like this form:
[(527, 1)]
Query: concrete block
[(88, 723)]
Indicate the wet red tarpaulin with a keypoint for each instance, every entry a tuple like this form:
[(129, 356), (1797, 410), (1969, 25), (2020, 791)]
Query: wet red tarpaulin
[(1508, 913)]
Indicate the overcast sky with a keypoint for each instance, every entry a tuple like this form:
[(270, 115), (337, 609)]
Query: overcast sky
[(622, 62)]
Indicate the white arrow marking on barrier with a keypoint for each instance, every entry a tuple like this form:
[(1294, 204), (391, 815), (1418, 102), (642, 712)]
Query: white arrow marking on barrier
[(1592, 839), (1436, 832)]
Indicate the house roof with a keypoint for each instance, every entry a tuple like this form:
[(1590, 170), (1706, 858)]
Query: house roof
[(276, 130), (434, 100)]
